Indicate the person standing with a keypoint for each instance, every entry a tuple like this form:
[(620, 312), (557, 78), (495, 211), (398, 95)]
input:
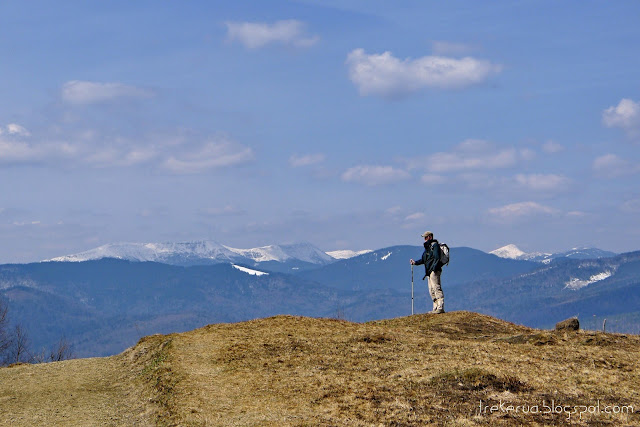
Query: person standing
[(433, 270)]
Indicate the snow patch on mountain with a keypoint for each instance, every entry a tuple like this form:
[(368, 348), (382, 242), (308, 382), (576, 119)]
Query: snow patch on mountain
[(346, 254), (384, 258), (575, 284), (250, 271)]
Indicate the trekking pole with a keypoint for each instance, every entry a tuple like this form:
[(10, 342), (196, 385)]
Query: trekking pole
[(412, 289)]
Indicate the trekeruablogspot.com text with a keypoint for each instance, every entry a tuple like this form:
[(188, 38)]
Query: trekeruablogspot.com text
[(553, 407)]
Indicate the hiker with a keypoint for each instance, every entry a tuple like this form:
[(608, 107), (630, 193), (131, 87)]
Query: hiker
[(433, 270)]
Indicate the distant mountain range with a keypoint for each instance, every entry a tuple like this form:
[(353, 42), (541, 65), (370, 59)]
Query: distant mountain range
[(103, 300), (274, 257), (513, 252), (280, 257)]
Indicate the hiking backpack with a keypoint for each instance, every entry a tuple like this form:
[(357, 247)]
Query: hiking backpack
[(444, 254)]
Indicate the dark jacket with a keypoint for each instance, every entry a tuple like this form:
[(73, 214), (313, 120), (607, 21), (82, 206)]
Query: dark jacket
[(430, 257)]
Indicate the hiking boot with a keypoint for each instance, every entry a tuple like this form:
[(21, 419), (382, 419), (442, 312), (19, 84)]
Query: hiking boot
[(436, 311)]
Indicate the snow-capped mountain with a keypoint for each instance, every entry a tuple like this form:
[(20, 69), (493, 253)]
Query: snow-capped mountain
[(281, 253), (202, 252), (513, 252), (346, 254), (158, 252), (509, 251)]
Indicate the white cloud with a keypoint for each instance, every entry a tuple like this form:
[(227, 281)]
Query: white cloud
[(543, 182), (84, 92), (258, 34), (178, 154), (17, 148), (26, 223), (522, 210), (211, 155), (374, 175), (385, 75), (306, 160), (17, 151), (15, 129), (625, 115), (612, 166), (459, 161), (471, 155)]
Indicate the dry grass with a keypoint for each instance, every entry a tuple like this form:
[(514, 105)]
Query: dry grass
[(418, 370), (83, 392)]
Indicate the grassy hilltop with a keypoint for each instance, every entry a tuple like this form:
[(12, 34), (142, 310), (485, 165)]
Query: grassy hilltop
[(458, 368)]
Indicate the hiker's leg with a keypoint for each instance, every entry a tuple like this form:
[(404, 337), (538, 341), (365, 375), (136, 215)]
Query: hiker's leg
[(438, 295), (432, 293)]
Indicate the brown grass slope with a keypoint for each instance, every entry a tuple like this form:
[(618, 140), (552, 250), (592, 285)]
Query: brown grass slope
[(457, 368)]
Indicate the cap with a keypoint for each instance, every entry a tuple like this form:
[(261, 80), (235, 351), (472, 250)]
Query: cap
[(427, 234)]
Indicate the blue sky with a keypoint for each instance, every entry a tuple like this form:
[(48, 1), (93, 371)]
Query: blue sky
[(346, 124)]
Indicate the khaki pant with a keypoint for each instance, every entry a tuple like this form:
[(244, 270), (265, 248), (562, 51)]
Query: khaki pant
[(435, 290)]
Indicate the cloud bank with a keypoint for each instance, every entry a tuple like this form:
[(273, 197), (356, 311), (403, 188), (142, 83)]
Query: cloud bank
[(254, 35), (471, 155), (613, 166), (625, 115), (387, 76), (520, 211), (543, 182), (297, 161), (176, 154), (210, 155)]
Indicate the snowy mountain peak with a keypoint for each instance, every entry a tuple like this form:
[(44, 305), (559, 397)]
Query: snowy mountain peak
[(159, 252), (200, 252), (513, 252), (281, 253), (509, 251)]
